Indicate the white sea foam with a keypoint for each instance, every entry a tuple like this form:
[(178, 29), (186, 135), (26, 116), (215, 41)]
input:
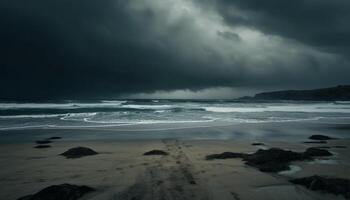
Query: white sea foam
[(160, 111), (78, 116), (31, 116), (342, 102), (136, 122), (136, 106), (113, 102), (103, 104), (312, 108), (268, 119)]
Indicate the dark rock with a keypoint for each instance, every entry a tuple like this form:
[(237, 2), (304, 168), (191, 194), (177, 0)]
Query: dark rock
[(313, 151), (78, 152), (156, 152), (272, 166), (192, 182), (43, 141), (340, 147), (42, 146), (323, 147), (316, 142), (274, 159), (335, 186), (225, 155), (258, 144), (60, 192), (54, 138), (320, 137)]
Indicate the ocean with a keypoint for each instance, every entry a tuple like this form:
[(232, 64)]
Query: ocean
[(74, 114)]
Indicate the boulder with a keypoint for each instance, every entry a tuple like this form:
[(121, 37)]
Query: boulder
[(323, 147), (316, 142), (337, 186), (339, 147), (42, 146), (54, 138), (60, 192), (313, 151), (43, 141), (225, 155), (258, 144), (273, 160), (156, 152), (78, 152), (320, 137)]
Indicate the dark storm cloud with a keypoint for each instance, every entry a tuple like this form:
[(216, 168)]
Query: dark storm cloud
[(320, 23), (98, 49), (72, 49)]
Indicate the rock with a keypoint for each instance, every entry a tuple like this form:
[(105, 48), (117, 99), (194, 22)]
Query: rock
[(320, 137), (274, 159), (316, 142), (42, 146), (340, 147), (54, 138), (258, 144), (78, 152), (225, 155), (323, 147), (60, 192), (43, 141), (313, 151), (156, 152), (335, 186)]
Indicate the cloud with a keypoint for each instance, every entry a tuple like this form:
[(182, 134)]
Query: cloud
[(108, 49), (317, 23)]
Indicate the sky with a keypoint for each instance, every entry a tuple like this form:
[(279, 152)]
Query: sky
[(88, 49)]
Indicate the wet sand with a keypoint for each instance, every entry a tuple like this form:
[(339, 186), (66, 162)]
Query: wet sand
[(121, 171)]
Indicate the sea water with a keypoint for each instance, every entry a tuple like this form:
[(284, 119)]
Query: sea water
[(141, 112)]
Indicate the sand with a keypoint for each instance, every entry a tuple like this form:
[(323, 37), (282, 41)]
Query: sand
[(121, 171)]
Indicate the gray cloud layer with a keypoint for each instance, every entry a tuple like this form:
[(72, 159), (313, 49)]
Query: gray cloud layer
[(99, 49)]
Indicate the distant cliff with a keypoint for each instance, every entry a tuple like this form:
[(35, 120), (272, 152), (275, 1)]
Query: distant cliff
[(339, 93)]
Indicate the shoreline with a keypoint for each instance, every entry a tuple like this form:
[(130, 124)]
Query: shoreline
[(275, 131)]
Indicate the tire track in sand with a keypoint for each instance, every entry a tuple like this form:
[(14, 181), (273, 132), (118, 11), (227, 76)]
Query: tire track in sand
[(169, 178)]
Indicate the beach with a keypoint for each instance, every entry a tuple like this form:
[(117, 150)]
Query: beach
[(121, 171), (174, 100)]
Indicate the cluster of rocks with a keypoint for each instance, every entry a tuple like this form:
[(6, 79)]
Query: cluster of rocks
[(42, 144), (276, 160), (319, 139), (272, 160), (322, 139)]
